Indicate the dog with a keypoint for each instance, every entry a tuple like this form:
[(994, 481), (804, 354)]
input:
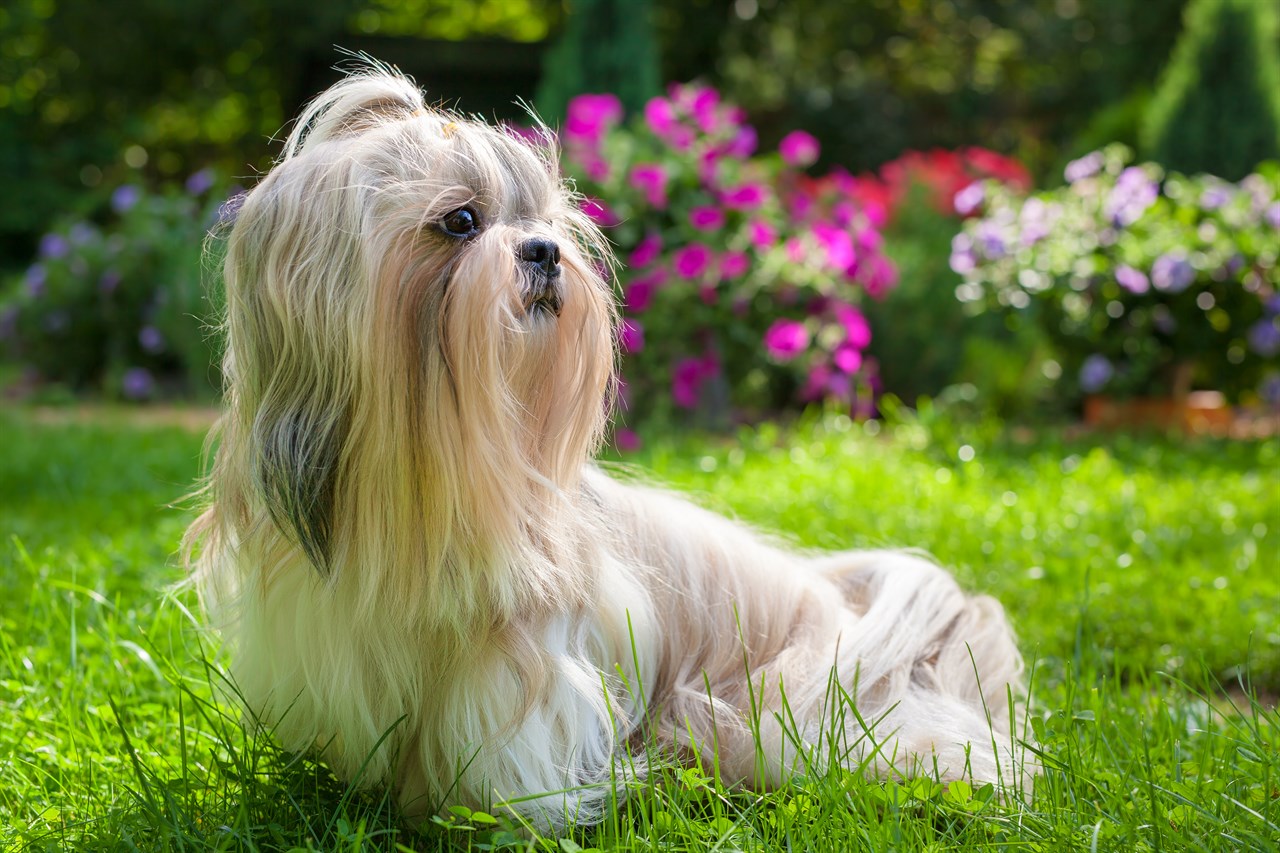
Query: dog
[(420, 574)]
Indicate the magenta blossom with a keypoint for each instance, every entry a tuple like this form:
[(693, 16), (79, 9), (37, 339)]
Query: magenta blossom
[(799, 149), (847, 357), (836, 243), (631, 336), (856, 328), (763, 235), (626, 440), (651, 179), (743, 197), (734, 264), (786, 339), (1132, 280), (645, 252), (589, 116), (706, 218), (691, 261), (597, 210), (638, 295), (687, 377)]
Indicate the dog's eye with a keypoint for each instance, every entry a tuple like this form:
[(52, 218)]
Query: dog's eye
[(463, 222)]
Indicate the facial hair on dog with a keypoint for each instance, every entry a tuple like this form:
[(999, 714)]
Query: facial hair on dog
[(420, 574)]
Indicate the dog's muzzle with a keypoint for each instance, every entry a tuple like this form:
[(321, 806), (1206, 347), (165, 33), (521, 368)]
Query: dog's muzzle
[(540, 259)]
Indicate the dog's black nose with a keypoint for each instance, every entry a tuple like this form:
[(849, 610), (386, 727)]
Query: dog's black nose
[(542, 253)]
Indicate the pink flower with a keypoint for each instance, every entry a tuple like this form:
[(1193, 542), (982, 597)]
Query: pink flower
[(734, 264), (688, 376), (691, 261), (744, 144), (596, 209), (706, 218), (651, 179), (801, 205), (743, 197), (638, 295), (707, 293), (857, 330), (703, 106), (626, 440), (763, 236), (589, 116), (660, 115), (631, 335), (882, 278), (847, 357), (795, 250), (786, 339), (837, 244), (645, 252), (799, 149)]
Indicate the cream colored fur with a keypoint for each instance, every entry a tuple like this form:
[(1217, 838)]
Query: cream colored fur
[(419, 573)]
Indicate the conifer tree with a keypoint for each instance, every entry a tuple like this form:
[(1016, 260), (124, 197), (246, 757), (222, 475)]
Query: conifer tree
[(1217, 107)]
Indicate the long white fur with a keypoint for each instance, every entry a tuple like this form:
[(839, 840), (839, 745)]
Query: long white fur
[(479, 615)]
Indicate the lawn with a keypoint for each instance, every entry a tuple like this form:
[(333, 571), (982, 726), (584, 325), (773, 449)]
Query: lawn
[(1143, 576)]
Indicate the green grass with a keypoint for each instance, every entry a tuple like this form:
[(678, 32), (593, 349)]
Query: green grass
[(1143, 576)]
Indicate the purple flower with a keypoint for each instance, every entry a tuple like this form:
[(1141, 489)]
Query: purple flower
[(1264, 337), (991, 240), (1272, 306), (691, 261), (1172, 274), (1272, 214), (1095, 373), (137, 383), (645, 252), (109, 281), (124, 198), (637, 295), (786, 339), (962, 257), (151, 340), (743, 197), (1214, 197), (54, 246), (9, 323), (589, 116), (631, 335), (1132, 280), (799, 149), (651, 179), (969, 199), (706, 218), (1133, 193), (1087, 166), (82, 233), (35, 280), (199, 182), (1269, 390)]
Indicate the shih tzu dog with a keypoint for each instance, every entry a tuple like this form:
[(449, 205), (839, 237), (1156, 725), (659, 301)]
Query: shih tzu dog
[(420, 574)]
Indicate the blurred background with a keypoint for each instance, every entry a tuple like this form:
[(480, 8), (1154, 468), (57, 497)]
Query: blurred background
[(1041, 208)]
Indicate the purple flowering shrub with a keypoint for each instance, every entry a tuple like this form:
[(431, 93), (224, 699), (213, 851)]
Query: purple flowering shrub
[(118, 306), (1149, 284), (740, 276)]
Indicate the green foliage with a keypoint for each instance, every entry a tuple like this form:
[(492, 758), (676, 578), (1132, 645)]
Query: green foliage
[(122, 308), (1217, 109), (606, 46), (1115, 561)]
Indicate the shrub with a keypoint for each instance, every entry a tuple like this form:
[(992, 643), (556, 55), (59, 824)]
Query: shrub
[(1217, 109), (120, 308), (1149, 284), (742, 275)]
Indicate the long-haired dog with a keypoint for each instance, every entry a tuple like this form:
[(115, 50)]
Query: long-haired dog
[(418, 570)]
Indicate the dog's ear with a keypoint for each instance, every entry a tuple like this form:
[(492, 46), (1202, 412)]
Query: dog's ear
[(298, 474)]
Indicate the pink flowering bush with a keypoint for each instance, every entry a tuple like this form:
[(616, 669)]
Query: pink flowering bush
[(740, 275)]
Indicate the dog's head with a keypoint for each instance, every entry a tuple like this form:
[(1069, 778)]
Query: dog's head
[(419, 334)]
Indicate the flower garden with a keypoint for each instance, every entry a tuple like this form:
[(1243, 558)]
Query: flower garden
[(1044, 349)]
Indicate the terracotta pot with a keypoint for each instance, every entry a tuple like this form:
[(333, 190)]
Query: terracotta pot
[(1197, 412)]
